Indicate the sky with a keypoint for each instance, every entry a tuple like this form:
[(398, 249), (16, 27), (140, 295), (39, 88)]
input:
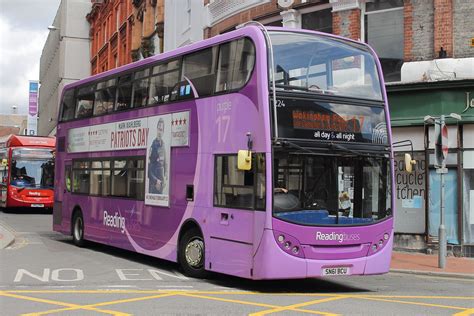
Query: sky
[(23, 32)]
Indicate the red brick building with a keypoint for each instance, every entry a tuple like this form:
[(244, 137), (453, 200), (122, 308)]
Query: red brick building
[(123, 31)]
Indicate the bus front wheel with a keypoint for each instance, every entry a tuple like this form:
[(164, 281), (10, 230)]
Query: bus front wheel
[(78, 229), (191, 254)]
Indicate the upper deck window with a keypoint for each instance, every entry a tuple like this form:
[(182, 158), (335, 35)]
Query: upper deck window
[(199, 70), (236, 61), (324, 65), (68, 105), (105, 96), (124, 94), (165, 76), (85, 101)]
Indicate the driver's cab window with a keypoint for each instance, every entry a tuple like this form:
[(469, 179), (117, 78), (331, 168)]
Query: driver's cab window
[(235, 188)]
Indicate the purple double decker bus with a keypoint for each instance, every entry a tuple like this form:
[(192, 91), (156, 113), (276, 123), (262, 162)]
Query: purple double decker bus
[(263, 153)]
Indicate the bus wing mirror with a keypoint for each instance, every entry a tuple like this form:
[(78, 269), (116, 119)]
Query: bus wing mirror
[(409, 163), (244, 160)]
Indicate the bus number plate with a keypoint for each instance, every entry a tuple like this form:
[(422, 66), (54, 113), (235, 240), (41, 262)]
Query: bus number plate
[(336, 271), (37, 205)]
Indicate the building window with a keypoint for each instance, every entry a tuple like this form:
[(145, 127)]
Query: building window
[(318, 21), (385, 33), (104, 27), (187, 25), (117, 18)]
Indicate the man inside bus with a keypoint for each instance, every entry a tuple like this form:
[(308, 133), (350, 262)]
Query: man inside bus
[(157, 165)]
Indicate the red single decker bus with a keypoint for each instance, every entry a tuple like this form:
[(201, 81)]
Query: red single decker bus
[(27, 171)]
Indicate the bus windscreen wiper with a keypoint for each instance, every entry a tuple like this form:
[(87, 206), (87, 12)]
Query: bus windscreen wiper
[(355, 151)]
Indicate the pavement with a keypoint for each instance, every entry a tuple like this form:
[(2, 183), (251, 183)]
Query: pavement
[(419, 263), (6, 236)]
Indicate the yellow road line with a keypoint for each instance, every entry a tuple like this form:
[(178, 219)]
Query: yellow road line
[(418, 296), (410, 303), (46, 301), (228, 300), (92, 306), (273, 307), (119, 291), (295, 306), (467, 312)]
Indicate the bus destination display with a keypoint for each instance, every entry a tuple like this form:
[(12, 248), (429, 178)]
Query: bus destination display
[(316, 120)]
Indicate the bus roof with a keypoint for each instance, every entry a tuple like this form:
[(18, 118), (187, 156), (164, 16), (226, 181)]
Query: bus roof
[(30, 141), (244, 31)]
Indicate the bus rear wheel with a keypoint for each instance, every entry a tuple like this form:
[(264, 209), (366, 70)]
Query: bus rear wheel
[(78, 229), (191, 254)]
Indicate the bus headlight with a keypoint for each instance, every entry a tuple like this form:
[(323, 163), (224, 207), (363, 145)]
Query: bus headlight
[(289, 244), (386, 236), (374, 247)]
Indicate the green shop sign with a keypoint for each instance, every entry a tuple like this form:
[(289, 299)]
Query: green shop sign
[(409, 103)]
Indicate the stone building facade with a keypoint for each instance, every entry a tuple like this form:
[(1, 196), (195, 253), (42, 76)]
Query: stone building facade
[(64, 59)]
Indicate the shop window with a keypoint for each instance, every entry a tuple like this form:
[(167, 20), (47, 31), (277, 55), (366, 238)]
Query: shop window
[(468, 197)]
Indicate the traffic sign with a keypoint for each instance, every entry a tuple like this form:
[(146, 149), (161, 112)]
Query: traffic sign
[(444, 140)]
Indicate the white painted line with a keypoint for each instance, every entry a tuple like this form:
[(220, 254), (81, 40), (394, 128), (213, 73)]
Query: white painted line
[(60, 286), (119, 286)]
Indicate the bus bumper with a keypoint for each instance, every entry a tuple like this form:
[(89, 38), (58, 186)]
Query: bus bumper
[(270, 262)]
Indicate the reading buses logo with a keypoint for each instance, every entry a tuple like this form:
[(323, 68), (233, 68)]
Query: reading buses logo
[(337, 237), (115, 221)]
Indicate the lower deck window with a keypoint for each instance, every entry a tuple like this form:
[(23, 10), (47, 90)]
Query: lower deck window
[(236, 188), (124, 177)]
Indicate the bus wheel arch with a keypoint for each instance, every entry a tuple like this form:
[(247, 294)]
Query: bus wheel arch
[(77, 227), (191, 250)]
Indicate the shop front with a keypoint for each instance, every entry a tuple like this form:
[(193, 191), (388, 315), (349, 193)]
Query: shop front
[(418, 194)]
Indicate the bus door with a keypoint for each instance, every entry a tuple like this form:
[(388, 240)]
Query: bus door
[(238, 195), (63, 197)]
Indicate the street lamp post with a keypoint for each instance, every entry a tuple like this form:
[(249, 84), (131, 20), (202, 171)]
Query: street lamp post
[(441, 153)]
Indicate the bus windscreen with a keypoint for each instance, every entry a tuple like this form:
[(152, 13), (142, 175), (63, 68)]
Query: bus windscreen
[(33, 168), (324, 65)]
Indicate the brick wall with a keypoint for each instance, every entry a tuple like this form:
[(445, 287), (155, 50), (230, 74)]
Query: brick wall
[(463, 17), (443, 26), (408, 30), (347, 23), (421, 40), (254, 13)]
